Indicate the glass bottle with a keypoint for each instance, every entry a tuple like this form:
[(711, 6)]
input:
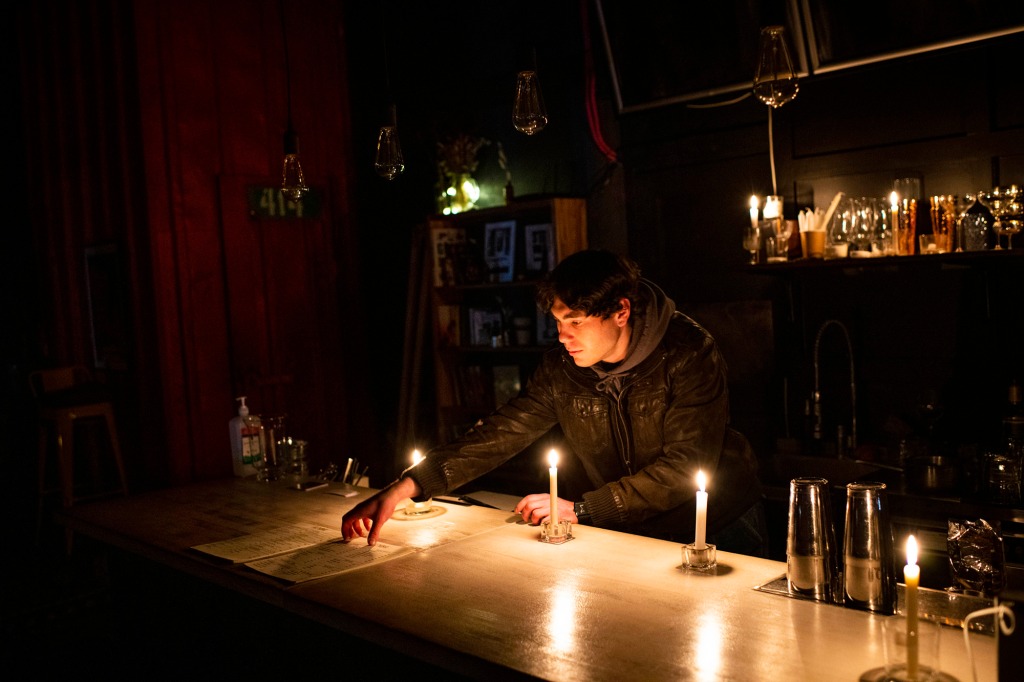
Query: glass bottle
[(974, 233)]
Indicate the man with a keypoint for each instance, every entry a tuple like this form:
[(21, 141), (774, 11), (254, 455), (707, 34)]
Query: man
[(639, 391)]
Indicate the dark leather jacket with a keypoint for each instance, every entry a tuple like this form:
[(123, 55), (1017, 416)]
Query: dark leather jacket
[(640, 450)]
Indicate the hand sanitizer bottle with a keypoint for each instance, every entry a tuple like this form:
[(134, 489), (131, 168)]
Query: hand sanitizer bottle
[(246, 440)]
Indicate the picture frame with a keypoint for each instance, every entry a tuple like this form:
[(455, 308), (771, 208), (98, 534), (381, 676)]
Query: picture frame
[(500, 250), (539, 248), (444, 243), (483, 326)]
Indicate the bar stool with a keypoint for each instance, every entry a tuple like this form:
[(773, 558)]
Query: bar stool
[(64, 396)]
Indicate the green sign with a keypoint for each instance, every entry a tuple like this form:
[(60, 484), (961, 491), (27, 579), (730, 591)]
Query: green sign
[(269, 203)]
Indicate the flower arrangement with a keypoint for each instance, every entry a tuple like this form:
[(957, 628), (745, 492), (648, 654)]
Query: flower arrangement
[(457, 155), (456, 163)]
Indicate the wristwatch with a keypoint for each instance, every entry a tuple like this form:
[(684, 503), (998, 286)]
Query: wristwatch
[(580, 509)]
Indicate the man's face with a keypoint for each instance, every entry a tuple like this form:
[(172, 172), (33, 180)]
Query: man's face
[(590, 339)]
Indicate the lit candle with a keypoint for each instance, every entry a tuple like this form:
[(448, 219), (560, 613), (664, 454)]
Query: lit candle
[(553, 471), (753, 210), (911, 576), (771, 208), (894, 207), (416, 457), (702, 513)]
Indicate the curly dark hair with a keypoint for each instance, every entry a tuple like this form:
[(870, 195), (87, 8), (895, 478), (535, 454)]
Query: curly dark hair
[(593, 281)]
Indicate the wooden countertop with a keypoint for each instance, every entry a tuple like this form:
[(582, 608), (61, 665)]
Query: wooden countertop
[(483, 597)]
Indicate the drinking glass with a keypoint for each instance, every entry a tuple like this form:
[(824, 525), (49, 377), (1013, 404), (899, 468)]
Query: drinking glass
[(775, 249), (812, 566), (869, 575), (943, 215), (865, 225), (752, 242), (898, 665), (783, 233), (841, 231)]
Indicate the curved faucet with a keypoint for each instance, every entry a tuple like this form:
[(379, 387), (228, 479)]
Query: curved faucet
[(853, 386)]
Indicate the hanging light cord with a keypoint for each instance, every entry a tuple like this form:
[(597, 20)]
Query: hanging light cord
[(387, 81), (287, 66), (771, 151), (593, 118)]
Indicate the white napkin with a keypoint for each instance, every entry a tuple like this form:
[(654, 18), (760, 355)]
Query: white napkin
[(810, 220)]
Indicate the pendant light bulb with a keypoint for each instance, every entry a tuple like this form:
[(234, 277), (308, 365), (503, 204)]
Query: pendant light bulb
[(293, 182), (388, 161), (528, 113), (775, 82)]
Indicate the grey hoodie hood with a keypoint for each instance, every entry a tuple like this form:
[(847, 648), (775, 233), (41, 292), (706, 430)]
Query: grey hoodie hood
[(649, 320)]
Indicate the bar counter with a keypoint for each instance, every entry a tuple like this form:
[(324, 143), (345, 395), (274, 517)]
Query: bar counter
[(483, 598)]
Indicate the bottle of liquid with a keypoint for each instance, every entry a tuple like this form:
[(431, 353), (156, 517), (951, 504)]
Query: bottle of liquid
[(246, 441)]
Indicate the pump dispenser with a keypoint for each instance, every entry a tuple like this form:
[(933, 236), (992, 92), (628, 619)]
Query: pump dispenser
[(246, 440)]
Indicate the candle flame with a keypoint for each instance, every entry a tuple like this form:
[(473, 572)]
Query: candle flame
[(753, 201), (911, 551), (701, 479), (894, 200), (416, 457), (553, 458)]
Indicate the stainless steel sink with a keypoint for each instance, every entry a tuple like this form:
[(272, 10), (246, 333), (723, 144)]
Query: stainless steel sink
[(838, 472)]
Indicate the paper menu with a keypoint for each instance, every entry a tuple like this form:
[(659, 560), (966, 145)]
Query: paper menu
[(325, 560), (269, 543)]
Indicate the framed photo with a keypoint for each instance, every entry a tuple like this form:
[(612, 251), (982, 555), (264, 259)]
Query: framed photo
[(500, 250), (539, 247), (483, 325), (445, 242)]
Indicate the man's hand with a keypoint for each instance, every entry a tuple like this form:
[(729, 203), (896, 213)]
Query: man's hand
[(536, 509), (368, 517)]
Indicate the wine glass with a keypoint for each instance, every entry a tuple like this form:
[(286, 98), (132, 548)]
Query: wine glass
[(1007, 206), (752, 242)]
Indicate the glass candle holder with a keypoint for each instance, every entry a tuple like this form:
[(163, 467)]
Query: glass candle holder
[(559, 533), (419, 508), (700, 559)]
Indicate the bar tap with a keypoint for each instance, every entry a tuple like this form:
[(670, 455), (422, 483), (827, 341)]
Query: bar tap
[(817, 429)]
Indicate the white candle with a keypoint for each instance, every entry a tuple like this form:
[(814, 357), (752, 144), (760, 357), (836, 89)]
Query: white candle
[(753, 210), (771, 208), (702, 513), (911, 577), (553, 471)]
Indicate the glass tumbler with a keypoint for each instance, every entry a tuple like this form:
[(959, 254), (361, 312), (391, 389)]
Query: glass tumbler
[(869, 573), (812, 562)]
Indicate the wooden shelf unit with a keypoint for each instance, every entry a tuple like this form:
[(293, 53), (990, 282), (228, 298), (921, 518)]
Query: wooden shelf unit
[(467, 383)]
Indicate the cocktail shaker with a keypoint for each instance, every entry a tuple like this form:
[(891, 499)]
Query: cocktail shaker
[(812, 562), (869, 571)]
